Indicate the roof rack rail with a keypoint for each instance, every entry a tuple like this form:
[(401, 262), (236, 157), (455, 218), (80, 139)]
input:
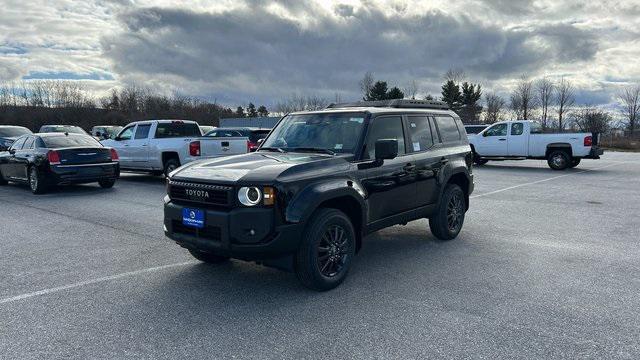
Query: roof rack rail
[(396, 103)]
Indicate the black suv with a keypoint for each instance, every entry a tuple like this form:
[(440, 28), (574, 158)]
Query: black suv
[(320, 182)]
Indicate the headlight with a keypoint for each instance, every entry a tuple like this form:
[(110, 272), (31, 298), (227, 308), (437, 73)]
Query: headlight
[(249, 196)]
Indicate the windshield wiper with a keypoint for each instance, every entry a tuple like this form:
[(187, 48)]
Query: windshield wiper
[(312, 149), (272, 149)]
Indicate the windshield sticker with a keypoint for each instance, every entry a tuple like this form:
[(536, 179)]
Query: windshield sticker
[(416, 146), (338, 147), (413, 125), (358, 120)]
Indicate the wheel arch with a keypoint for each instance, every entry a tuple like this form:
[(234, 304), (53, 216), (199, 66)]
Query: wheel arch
[(461, 179), (168, 155), (559, 146)]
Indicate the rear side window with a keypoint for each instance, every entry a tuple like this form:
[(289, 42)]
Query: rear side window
[(517, 128), (419, 133), (177, 129), (142, 132), (388, 127), (448, 128), (29, 143), (53, 142), (18, 144)]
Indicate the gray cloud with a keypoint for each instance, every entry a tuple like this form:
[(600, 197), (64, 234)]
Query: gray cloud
[(262, 55)]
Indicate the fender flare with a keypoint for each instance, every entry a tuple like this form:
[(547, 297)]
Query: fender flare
[(303, 204)]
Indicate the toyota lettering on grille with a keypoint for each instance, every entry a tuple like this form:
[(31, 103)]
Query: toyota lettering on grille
[(201, 194)]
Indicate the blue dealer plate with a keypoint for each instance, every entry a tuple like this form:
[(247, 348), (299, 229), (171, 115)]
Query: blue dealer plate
[(193, 217)]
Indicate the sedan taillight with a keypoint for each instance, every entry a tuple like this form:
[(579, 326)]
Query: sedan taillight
[(588, 140), (53, 157), (114, 155)]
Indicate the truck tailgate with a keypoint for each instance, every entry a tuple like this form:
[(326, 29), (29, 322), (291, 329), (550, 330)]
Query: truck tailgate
[(214, 147)]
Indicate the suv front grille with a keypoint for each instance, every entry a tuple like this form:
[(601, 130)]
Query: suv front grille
[(217, 195)]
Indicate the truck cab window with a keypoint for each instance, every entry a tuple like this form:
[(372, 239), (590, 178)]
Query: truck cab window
[(127, 133), (497, 130), (142, 132), (517, 128)]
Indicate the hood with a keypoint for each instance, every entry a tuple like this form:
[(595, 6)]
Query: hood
[(260, 167)]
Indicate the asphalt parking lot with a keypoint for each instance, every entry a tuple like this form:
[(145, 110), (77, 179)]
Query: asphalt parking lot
[(546, 266)]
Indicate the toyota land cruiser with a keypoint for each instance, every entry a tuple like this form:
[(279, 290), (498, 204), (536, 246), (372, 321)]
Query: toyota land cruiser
[(320, 182)]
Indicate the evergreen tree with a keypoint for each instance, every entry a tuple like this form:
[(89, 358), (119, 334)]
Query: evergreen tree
[(395, 93), (251, 110), (378, 91), (262, 111), (240, 112), (470, 111), (451, 95)]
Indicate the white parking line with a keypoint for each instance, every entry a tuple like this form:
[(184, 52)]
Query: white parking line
[(544, 180), (93, 281)]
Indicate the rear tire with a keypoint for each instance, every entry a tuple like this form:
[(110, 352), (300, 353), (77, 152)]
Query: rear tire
[(171, 165), (107, 183), (208, 257), (36, 181), (559, 160), (447, 222), (574, 162), (326, 251)]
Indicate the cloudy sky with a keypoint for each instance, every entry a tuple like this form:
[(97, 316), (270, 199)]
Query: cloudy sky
[(251, 50)]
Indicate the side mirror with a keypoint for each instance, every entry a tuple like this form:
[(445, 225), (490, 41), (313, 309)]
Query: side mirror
[(12, 151), (484, 134), (260, 141), (386, 149)]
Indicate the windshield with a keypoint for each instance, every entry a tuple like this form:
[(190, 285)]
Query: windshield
[(63, 129), (53, 142), (13, 131), (337, 133)]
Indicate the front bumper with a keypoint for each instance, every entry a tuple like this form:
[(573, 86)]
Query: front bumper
[(85, 173), (242, 233)]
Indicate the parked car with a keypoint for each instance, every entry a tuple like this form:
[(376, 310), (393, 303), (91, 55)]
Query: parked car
[(320, 182), (157, 146), (206, 128), (474, 129), (524, 139), (103, 132), (71, 129), (49, 159), (226, 141), (8, 134)]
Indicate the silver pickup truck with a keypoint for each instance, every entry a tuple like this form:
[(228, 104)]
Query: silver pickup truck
[(227, 141)]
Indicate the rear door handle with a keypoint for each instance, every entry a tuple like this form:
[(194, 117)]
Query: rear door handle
[(502, 139), (444, 160)]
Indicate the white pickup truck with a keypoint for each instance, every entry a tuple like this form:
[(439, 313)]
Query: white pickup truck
[(157, 146), (524, 139)]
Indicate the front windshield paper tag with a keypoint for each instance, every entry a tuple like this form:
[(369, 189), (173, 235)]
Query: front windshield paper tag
[(358, 120), (416, 146), (338, 147)]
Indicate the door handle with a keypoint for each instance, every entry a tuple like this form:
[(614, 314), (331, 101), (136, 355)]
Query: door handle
[(502, 139), (409, 167), (444, 160), (145, 145)]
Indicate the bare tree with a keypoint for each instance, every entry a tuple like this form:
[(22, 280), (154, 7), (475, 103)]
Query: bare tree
[(494, 109), (455, 75), (300, 103), (630, 98), (411, 90), (590, 119), (366, 84), (523, 99), (565, 99), (544, 94)]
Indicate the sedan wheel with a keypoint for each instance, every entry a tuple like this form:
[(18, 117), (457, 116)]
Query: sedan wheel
[(35, 181)]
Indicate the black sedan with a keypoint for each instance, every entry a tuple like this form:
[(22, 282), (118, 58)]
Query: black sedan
[(47, 160), (8, 134)]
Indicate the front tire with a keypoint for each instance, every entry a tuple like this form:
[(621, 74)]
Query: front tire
[(208, 257), (447, 222), (36, 181), (107, 183), (558, 160), (478, 160), (327, 250)]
